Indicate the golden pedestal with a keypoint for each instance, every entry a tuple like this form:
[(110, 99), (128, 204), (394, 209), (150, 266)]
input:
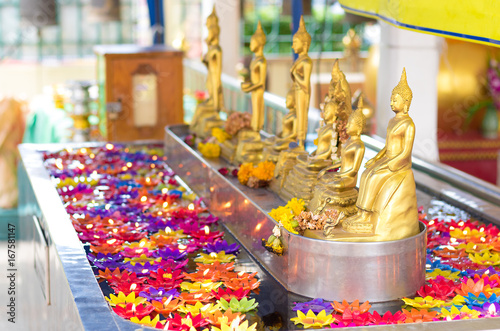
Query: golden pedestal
[(286, 161), (342, 200), (204, 123), (246, 146), (302, 180), (271, 152)]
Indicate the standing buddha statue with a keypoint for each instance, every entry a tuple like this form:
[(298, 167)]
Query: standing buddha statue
[(206, 115), (301, 77), (250, 146)]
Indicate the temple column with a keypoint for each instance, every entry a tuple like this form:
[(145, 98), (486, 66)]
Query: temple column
[(419, 54)]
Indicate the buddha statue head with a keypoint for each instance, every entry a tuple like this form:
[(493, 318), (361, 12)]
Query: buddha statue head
[(357, 120), (301, 39), (290, 100), (335, 78), (335, 106), (401, 95), (213, 28), (258, 39)]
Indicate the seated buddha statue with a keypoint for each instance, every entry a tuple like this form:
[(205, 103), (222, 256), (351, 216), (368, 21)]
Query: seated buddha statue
[(337, 190), (387, 203), (206, 115), (302, 179), (275, 144)]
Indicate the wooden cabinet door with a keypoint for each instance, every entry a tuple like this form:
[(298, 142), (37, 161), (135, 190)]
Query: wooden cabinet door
[(130, 82)]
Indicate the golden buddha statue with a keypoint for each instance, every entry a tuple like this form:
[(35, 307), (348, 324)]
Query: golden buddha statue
[(206, 115), (337, 190), (257, 83), (251, 147), (352, 46), (301, 77), (302, 179), (280, 142), (387, 202)]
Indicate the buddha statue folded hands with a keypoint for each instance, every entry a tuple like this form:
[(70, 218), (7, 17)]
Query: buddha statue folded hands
[(387, 203)]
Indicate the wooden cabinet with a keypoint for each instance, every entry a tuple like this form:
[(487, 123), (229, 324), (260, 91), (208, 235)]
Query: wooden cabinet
[(140, 91)]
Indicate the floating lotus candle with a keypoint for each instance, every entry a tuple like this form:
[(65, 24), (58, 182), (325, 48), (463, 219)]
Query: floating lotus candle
[(141, 269), (489, 309), (216, 266), (172, 264), (147, 321), (311, 320), (387, 318), (133, 310), (159, 294), (142, 259), (106, 249), (199, 308), (206, 286), (481, 299), (228, 294), (218, 318), (214, 257), (127, 287), (135, 252), (168, 232), (419, 316), (355, 306), (427, 302), (192, 298), (167, 305), (448, 274), (222, 246), (200, 276), (475, 288), (167, 253), (104, 261), (486, 258), (121, 299), (187, 322), (241, 306), (245, 284), (463, 313), (205, 235)]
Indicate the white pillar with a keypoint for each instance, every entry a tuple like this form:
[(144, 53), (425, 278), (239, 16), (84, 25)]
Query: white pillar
[(419, 54), (228, 12)]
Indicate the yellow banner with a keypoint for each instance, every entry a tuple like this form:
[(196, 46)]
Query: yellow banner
[(472, 20)]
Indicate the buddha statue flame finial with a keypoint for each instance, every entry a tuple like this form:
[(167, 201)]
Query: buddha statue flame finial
[(302, 32), (212, 19), (403, 89), (358, 118), (336, 70), (259, 34)]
